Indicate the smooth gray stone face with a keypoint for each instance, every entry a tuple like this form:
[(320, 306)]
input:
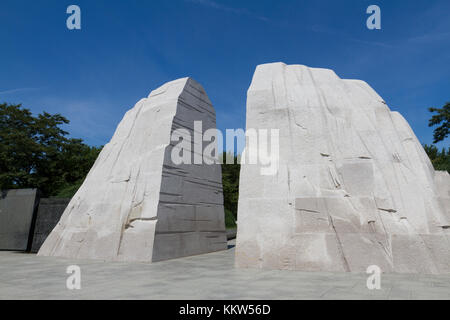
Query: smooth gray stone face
[(136, 204), (354, 187), (48, 215), (16, 217)]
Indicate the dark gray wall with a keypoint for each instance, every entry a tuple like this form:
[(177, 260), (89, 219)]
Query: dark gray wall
[(48, 215), (17, 210)]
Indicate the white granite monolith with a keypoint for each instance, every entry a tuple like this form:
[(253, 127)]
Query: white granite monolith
[(354, 186), (136, 204)]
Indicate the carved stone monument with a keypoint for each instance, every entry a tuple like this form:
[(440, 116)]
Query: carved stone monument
[(354, 186), (136, 204)]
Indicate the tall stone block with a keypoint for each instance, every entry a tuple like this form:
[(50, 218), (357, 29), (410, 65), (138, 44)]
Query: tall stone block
[(17, 212), (354, 186), (136, 204)]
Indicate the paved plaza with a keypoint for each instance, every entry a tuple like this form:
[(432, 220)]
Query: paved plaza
[(209, 276)]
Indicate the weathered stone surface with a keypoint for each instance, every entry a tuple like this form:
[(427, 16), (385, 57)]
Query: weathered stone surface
[(442, 181), (48, 214), (135, 203), (354, 186), (17, 209)]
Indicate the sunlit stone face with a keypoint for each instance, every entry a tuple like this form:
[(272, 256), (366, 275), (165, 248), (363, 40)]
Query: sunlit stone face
[(354, 187)]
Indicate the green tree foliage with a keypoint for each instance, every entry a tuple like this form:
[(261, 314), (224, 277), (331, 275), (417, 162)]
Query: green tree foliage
[(442, 118), (230, 182), (35, 152), (439, 159), (69, 190)]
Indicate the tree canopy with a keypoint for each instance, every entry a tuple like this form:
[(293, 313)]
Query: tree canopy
[(35, 152), (439, 159), (442, 118), (230, 183)]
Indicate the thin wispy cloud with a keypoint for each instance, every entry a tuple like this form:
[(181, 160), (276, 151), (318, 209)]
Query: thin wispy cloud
[(219, 6), (430, 37), (372, 43), (346, 36), (10, 91), (91, 119)]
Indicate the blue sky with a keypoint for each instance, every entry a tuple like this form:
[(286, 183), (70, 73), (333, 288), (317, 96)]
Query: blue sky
[(127, 48)]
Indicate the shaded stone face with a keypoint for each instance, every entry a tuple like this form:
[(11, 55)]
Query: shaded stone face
[(136, 204), (354, 186), (48, 215), (17, 208)]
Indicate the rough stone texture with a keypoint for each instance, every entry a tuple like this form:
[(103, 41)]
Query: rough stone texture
[(354, 186), (137, 205), (17, 210), (442, 181), (49, 212)]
